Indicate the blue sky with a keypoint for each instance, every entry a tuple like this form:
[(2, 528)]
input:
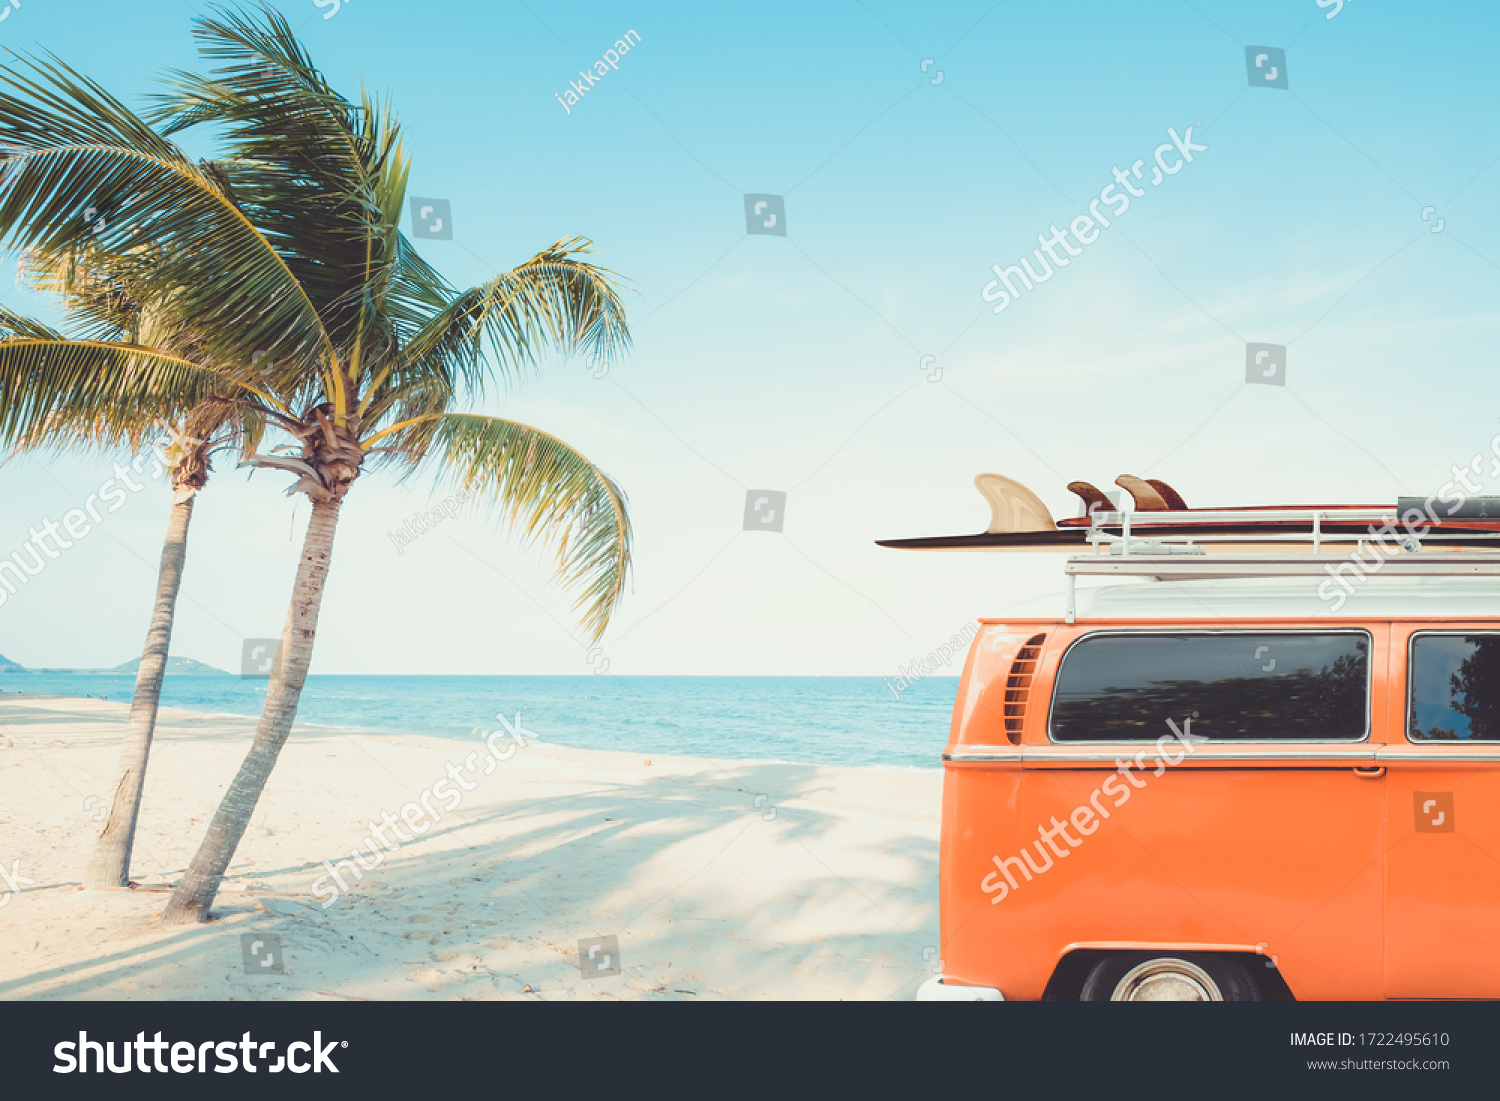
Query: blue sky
[(796, 363)]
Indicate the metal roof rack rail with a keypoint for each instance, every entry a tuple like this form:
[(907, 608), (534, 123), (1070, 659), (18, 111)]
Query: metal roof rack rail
[(1125, 544), (1167, 557), (1182, 567)]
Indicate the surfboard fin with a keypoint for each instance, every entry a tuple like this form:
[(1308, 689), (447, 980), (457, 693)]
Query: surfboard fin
[(1145, 495), (1093, 498), (1168, 494), (1013, 507)]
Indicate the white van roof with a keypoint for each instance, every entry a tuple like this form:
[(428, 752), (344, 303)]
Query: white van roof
[(1271, 597)]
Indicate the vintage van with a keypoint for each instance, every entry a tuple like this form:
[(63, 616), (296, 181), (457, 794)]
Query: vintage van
[(1200, 782)]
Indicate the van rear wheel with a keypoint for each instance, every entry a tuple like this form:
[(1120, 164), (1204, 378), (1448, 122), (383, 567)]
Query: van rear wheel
[(1153, 977)]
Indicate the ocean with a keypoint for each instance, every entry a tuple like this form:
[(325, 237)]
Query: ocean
[(809, 720)]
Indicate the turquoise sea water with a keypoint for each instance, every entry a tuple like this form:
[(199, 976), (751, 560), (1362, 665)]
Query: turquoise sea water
[(815, 720)]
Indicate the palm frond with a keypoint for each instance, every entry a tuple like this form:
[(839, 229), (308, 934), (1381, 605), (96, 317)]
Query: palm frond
[(550, 299), (323, 178), (96, 291), (57, 392), (68, 148), (541, 486), (265, 87)]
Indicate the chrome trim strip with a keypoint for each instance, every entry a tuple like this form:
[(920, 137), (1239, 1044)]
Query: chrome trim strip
[(1042, 754), (985, 753), (1416, 753), (1230, 752), (1056, 755)]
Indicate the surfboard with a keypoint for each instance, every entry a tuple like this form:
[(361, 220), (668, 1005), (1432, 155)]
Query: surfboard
[(1019, 521)]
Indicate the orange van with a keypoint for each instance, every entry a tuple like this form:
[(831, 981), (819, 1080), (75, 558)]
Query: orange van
[(1173, 798), (1200, 783)]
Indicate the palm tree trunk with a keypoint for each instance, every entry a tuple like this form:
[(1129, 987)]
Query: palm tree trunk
[(110, 865), (194, 896)]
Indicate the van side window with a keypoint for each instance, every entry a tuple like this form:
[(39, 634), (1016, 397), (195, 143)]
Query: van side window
[(1454, 682), (1262, 686)]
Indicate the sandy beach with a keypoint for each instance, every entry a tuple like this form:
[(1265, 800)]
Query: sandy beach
[(719, 879)]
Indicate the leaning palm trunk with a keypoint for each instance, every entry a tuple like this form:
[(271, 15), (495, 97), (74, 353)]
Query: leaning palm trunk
[(110, 866), (195, 892)]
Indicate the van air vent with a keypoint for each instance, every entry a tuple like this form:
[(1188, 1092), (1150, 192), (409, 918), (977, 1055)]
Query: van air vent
[(1018, 686)]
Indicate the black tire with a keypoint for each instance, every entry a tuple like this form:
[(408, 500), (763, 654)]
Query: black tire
[(1158, 976)]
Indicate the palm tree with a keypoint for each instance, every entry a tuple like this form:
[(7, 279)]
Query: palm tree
[(289, 247), (41, 414), (110, 864)]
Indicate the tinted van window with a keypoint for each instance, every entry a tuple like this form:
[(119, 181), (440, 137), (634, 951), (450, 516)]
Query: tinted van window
[(1455, 688), (1250, 686)]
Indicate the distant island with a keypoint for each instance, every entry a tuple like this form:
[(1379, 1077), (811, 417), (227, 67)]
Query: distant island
[(174, 665), (181, 666)]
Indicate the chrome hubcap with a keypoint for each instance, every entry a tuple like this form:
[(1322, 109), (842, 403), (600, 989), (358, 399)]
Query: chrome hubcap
[(1167, 980)]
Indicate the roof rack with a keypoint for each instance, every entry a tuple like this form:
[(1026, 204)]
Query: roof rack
[(1168, 557), (1183, 567), (1315, 518)]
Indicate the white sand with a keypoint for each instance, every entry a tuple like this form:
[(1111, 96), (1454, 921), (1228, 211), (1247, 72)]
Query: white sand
[(834, 897)]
